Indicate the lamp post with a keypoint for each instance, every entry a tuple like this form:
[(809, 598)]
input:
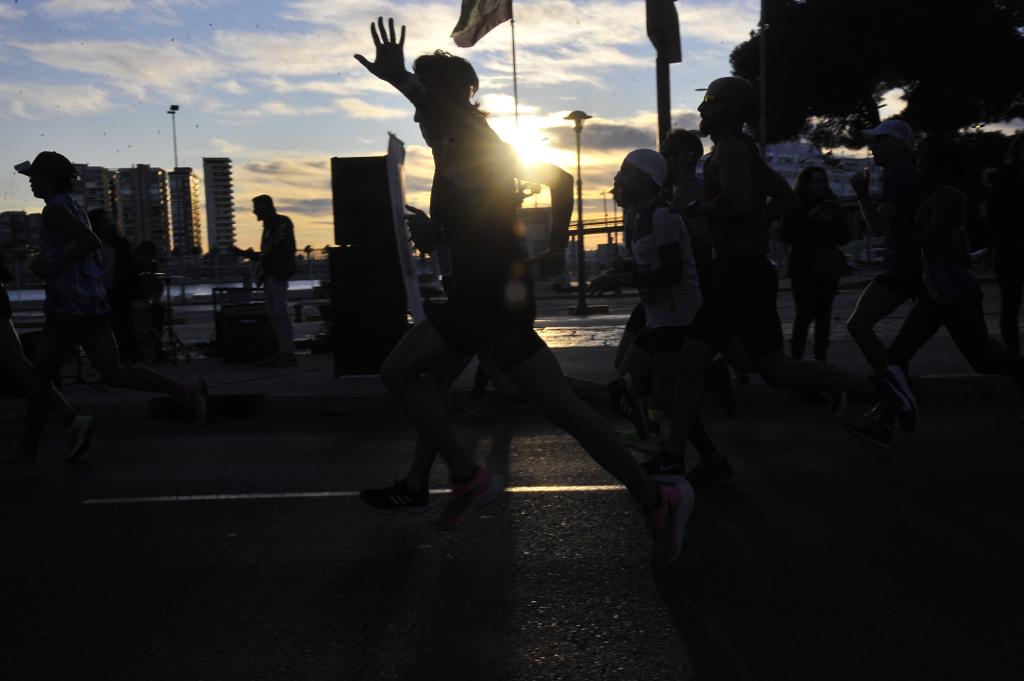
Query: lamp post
[(174, 131), (577, 117)]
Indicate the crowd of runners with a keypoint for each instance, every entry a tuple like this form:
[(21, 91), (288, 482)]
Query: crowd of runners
[(699, 250)]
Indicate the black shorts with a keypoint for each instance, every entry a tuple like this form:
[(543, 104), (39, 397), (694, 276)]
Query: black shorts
[(740, 303), (5, 304), (505, 332), (76, 328), (637, 320), (662, 339), (908, 286)]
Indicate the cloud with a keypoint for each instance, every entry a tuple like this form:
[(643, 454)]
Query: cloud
[(31, 100), (133, 67), (603, 136), (232, 87), (64, 8), (144, 11), (728, 22), (279, 108), (357, 108), (10, 12), (314, 207)]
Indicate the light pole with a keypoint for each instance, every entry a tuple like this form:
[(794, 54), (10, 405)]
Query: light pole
[(615, 216), (174, 131), (577, 117), (604, 198)]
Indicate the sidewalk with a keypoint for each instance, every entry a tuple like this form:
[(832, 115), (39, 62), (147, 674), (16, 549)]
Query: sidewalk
[(310, 390), (584, 346)]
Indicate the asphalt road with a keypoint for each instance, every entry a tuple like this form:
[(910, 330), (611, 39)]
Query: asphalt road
[(825, 559)]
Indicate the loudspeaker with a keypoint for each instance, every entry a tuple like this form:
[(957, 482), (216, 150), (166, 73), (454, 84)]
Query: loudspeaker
[(368, 307), (244, 332), (362, 201)]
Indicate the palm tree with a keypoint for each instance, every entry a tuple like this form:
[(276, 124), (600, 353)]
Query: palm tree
[(308, 250)]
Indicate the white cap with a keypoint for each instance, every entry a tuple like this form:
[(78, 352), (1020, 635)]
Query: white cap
[(894, 128), (650, 162)]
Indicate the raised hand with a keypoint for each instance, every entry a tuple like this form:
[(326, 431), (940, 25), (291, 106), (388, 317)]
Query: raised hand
[(389, 62)]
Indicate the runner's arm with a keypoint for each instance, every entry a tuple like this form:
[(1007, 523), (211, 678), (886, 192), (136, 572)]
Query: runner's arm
[(733, 159), (560, 184), (85, 240), (781, 198)]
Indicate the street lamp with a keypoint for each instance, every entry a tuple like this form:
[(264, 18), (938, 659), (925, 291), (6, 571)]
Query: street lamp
[(578, 117), (174, 131)]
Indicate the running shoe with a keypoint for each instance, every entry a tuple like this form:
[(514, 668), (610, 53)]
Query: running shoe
[(468, 497), (79, 436), (667, 522), (197, 398), (626, 403), (875, 432), (664, 466), (874, 413), (720, 384), (711, 473), (893, 382), (398, 497)]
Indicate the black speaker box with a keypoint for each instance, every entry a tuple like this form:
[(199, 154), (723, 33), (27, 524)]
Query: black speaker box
[(244, 332), (362, 201), (368, 307)]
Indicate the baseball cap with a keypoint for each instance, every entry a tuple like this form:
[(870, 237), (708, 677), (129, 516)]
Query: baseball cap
[(50, 163), (894, 128), (650, 163)]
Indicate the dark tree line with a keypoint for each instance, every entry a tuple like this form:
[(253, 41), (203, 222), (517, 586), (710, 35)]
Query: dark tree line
[(960, 63)]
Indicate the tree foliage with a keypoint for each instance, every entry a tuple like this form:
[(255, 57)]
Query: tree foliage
[(829, 62)]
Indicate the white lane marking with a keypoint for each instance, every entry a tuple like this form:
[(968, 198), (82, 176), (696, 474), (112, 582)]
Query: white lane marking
[(541, 489)]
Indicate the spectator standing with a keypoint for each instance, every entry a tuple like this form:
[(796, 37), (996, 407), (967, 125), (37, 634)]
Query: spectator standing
[(815, 233)]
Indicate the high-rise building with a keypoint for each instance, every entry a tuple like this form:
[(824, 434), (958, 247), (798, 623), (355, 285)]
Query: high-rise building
[(96, 188), (220, 204), (18, 228), (144, 205), (186, 218)]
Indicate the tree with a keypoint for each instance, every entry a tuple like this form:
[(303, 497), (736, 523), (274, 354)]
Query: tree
[(959, 62)]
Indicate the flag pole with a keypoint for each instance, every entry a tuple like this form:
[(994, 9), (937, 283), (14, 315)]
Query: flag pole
[(515, 73)]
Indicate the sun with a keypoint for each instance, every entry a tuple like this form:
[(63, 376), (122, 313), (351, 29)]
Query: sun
[(528, 140)]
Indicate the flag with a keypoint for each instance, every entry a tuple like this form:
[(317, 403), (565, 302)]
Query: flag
[(478, 17)]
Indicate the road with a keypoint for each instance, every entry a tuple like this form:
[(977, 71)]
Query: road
[(825, 559)]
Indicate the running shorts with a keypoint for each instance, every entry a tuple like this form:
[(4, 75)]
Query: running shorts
[(740, 303), (505, 331)]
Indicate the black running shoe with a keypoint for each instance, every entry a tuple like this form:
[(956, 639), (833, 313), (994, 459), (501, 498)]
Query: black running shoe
[(626, 403), (875, 432), (893, 383), (711, 473), (663, 466), (398, 497)]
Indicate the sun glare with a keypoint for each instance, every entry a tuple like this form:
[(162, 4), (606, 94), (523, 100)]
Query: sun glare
[(528, 141)]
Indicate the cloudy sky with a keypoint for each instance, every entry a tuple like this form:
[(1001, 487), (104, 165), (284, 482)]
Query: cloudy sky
[(273, 85)]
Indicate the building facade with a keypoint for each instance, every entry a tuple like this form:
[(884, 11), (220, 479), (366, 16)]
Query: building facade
[(143, 207), (18, 228), (96, 187), (220, 204), (186, 216)]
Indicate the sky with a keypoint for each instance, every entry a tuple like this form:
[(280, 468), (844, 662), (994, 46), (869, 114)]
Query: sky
[(274, 86)]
